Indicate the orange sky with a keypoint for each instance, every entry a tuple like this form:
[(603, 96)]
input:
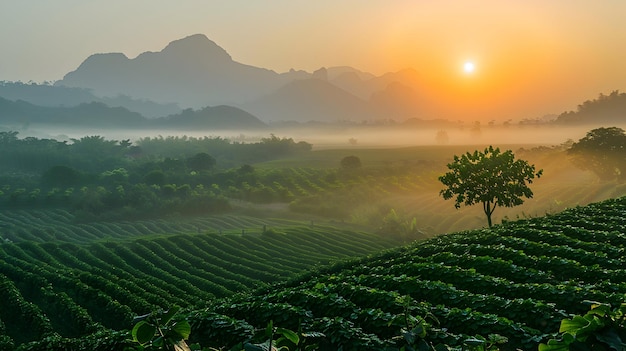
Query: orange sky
[(532, 57)]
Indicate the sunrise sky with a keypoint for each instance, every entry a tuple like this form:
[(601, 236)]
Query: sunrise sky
[(529, 57)]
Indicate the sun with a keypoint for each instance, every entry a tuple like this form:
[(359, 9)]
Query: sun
[(468, 67)]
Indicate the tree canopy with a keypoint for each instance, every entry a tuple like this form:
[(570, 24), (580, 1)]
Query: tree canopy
[(492, 178), (201, 162), (350, 162), (602, 151)]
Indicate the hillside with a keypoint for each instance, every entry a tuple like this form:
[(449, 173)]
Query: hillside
[(518, 280), (218, 117), (310, 100), (99, 115), (57, 96), (70, 288), (604, 110)]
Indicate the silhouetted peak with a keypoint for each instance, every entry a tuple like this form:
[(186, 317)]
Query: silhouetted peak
[(104, 60), (349, 78), (408, 74), (197, 45), (397, 87), (321, 74), (335, 72)]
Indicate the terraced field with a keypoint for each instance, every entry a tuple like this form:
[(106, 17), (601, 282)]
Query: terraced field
[(65, 289), (517, 280), (58, 225)]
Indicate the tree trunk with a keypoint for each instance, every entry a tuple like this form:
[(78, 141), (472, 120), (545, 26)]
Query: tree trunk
[(488, 211)]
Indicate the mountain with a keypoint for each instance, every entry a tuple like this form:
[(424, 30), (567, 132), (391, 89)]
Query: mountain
[(364, 85), (62, 96), (219, 117), (97, 114), (397, 100), (94, 114), (310, 100), (193, 71), (45, 94)]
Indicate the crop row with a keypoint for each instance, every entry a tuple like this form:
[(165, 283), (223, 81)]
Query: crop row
[(518, 280), (59, 225), (71, 290)]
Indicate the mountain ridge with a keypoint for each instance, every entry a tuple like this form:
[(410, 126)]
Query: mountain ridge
[(196, 72), (194, 69), (99, 115)]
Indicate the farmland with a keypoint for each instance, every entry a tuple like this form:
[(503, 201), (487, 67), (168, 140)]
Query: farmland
[(517, 280), (275, 231), (66, 289)]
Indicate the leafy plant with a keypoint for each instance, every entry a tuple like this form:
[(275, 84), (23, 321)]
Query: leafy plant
[(278, 339), (413, 334), (602, 328), (159, 331), (417, 332)]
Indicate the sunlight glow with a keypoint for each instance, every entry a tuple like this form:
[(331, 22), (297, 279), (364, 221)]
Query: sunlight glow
[(468, 67)]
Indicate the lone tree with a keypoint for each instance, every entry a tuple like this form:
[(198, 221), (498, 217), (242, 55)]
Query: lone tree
[(350, 162), (602, 151), (492, 178)]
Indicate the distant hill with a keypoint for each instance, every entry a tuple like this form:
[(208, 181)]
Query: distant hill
[(396, 100), (606, 109), (97, 114), (310, 100), (219, 117), (88, 114), (62, 96), (195, 72), (345, 98)]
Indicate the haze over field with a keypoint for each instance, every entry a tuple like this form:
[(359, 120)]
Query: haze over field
[(210, 174), (485, 60)]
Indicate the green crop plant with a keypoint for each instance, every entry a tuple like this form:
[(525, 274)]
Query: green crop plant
[(159, 331), (602, 328)]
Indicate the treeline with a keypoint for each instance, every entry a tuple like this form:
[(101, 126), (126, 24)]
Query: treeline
[(605, 109), (99, 177)]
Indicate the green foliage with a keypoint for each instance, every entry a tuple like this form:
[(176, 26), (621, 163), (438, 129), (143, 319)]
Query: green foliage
[(201, 162), (350, 162), (275, 338), (602, 151), (508, 287), (397, 226), (418, 333), (61, 176), (159, 331), (601, 328), (154, 177), (72, 290), (115, 177), (491, 178)]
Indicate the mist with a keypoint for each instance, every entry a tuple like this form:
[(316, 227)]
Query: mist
[(346, 137)]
